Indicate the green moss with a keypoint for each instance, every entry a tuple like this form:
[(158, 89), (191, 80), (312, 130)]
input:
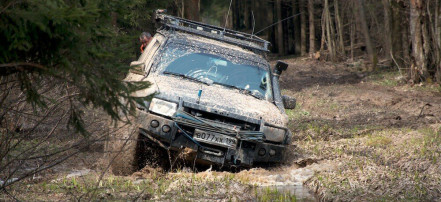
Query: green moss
[(378, 141), (272, 194)]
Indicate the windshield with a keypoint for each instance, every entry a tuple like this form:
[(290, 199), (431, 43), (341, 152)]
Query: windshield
[(204, 66)]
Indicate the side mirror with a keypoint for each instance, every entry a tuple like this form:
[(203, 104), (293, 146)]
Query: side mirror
[(280, 67), (289, 102), (137, 67), (136, 63)]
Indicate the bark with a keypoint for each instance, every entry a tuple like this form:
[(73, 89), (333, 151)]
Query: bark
[(396, 34), (370, 49), (303, 27), (387, 28), (352, 37), (279, 28), (340, 31), (247, 14), (329, 31), (297, 37), (311, 27), (405, 40), (323, 36), (419, 63), (438, 23), (191, 9), (438, 40), (431, 24)]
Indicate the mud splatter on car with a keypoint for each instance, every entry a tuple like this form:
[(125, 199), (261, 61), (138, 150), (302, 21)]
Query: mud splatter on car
[(214, 93)]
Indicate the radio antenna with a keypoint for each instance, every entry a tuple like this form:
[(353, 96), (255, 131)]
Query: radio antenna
[(277, 23), (228, 13), (254, 24)]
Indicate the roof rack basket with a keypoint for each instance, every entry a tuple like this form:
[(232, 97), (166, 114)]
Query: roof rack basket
[(229, 36)]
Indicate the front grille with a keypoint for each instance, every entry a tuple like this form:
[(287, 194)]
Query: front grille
[(186, 119), (223, 121)]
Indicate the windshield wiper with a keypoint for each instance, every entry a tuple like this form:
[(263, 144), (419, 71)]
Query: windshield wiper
[(204, 80), (244, 91)]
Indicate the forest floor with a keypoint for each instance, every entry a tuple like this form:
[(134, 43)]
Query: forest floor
[(383, 136), (357, 136)]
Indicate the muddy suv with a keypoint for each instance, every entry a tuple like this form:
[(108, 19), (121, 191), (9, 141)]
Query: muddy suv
[(214, 96)]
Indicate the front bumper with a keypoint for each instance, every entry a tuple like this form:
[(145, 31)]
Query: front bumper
[(245, 153)]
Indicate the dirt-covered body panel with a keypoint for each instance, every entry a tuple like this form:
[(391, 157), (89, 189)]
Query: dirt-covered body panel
[(215, 98)]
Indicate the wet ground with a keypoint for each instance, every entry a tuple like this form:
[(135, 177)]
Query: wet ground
[(344, 126)]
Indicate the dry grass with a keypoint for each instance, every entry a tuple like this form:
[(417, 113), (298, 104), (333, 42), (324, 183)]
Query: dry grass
[(382, 148), (178, 186)]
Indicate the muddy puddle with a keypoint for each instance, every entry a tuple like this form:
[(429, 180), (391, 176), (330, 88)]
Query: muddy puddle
[(301, 192), (287, 179), (282, 179)]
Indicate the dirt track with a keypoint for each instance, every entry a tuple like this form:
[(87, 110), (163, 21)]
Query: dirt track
[(358, 98)]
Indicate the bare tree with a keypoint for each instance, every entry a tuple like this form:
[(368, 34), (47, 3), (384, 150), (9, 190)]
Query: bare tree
[(329, 27), (297, 27), (340, 31), (280, 44), (303, 27), (370, 49), (311, 27), (419, 64), (191, 9), (437, 37), (387, 28)]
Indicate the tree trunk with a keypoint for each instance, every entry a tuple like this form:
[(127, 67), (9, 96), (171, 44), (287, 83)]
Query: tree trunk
[(247, 14), (191, 9), (297, 37), (323, 26), (370, 49), (405, 39), (303, 27), (387, 29), (341, 45), (329, 31), (438, 40), (419, 63), (353, 29), (279, 27), (396, 35), (311, 27)]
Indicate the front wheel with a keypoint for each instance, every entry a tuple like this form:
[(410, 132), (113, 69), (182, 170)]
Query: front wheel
[(122, 149)]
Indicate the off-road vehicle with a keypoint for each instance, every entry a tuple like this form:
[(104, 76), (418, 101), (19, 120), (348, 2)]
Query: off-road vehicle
[(214, 95)]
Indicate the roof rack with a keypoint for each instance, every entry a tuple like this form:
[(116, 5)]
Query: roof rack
[(229, 36)]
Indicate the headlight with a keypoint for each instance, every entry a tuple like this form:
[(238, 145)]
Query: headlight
[(163, 107), (274, 134)]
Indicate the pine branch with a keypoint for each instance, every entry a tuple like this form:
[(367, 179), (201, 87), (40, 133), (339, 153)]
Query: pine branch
[(22, 64)]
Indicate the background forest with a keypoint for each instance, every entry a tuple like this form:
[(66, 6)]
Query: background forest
[(405, 34), (62, 64)]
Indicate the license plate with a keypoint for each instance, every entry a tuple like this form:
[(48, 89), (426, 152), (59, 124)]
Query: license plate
[(215, 138)]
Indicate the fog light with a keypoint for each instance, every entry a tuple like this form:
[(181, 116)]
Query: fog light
[(166, 128), (154, 124), (272, 152), (262, 152)]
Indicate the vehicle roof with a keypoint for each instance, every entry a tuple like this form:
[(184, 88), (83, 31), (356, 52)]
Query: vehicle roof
[(249, 41)]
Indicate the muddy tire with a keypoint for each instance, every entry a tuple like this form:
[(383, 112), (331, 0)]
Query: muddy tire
[(122, 149)]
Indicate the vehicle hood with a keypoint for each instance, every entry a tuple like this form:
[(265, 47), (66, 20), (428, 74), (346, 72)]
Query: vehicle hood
[(216, 97)]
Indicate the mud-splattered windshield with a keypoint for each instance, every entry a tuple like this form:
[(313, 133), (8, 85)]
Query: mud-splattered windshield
[(209, 67)]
